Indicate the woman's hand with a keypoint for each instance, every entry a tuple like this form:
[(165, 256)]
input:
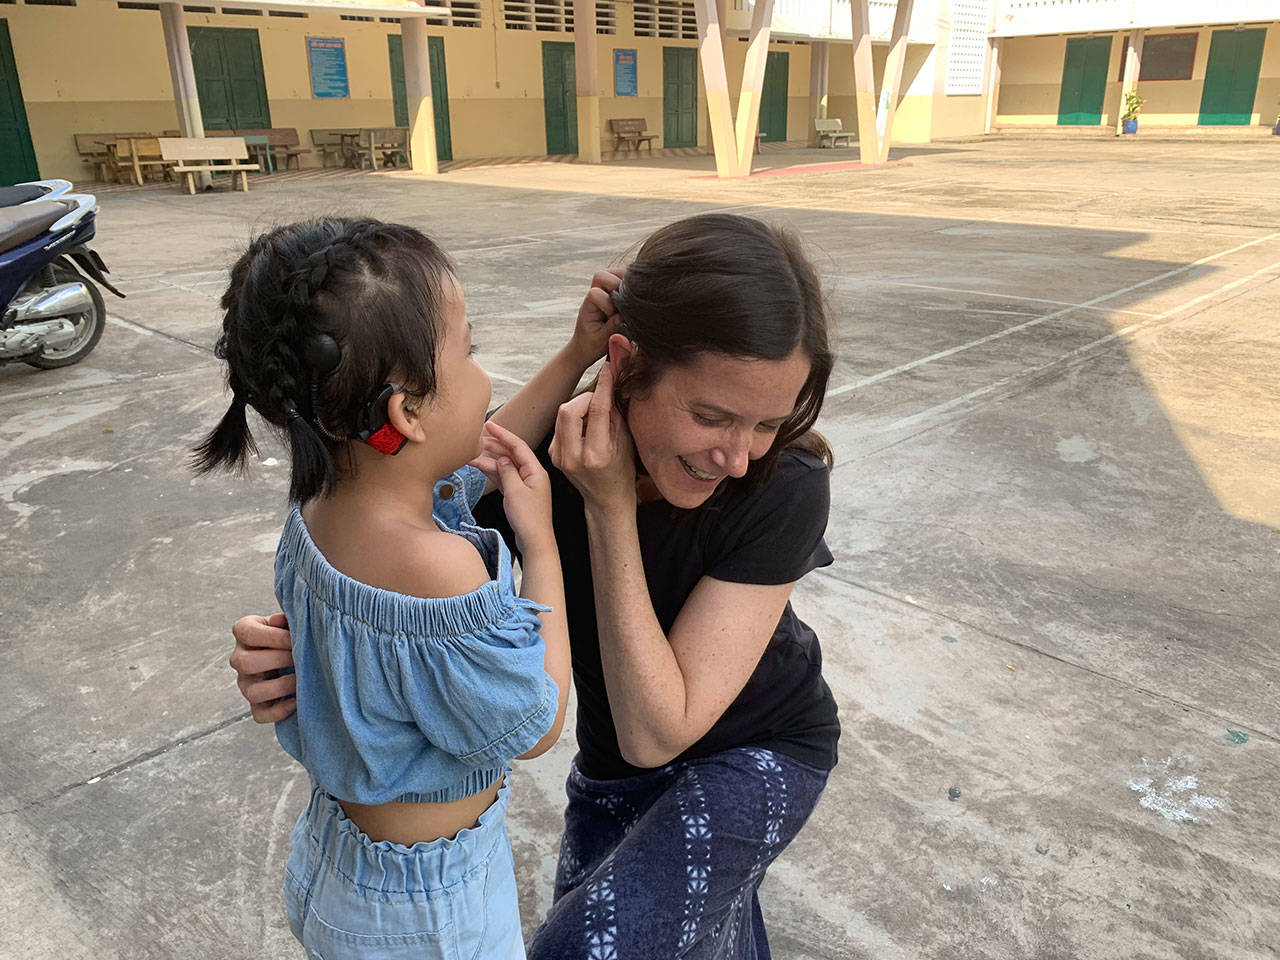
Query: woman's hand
[(262, 650), (598, 319), (593, 448), (513, 468)]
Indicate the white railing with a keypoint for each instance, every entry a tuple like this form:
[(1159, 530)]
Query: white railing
[(1022, 17), (833, 19)]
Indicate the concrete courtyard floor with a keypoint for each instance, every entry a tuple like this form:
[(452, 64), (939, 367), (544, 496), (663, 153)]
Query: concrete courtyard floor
[(1056, 521)]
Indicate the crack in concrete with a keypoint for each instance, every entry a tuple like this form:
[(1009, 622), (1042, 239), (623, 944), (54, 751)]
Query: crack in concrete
[(1271, 735), (129, 764)]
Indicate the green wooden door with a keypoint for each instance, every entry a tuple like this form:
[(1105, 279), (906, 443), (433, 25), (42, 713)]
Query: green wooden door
[(229, 80), (679, 97), (1084, 81), (439, 90), (1231, 78), (773, 98), (560, 96), (17, 158), (399, 93)]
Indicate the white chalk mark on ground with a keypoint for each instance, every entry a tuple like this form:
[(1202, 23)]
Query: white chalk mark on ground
[(1168, 789), (1016, 328)]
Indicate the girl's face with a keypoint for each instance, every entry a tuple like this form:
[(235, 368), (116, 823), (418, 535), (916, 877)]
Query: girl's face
[(708, 419), (463, 392)]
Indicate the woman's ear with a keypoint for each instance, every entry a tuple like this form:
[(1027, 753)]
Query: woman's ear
[(620, 352), (403, 414)]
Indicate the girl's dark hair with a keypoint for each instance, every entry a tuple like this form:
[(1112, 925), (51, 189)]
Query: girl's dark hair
[(377, 289), (721, 283)]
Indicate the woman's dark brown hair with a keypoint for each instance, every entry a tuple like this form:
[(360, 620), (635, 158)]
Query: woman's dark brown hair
[(722, 283)]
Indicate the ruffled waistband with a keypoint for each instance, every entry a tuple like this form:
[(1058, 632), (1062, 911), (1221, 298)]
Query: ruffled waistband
[(389, 867)]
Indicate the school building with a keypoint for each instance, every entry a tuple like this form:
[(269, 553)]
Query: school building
[(497, 78)]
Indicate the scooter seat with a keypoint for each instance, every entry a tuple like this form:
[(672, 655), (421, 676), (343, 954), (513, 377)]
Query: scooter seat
[(21, 193), (20, 224)]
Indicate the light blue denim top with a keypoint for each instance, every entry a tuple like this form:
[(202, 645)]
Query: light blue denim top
[(405, 698)]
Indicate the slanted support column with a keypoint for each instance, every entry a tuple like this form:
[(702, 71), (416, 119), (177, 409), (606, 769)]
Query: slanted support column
[(1132, 69), (178, 49), (891, 85), (587, 70), (748, 119), (864, 83), (417, 86), (819, 71), (993, 80), (716, 82)]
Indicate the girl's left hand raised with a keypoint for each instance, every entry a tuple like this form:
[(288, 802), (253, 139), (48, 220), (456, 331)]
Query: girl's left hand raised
[(598, 318), (593, 448)]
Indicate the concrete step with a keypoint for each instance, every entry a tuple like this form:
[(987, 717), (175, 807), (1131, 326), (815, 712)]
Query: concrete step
[(1164, 132)]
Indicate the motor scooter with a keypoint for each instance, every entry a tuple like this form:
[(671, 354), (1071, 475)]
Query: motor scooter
[(51, 314)]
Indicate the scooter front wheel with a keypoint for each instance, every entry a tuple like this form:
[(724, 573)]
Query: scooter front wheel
[(88, 327)]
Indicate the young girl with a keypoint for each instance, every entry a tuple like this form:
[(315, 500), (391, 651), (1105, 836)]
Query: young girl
[(421, 673)]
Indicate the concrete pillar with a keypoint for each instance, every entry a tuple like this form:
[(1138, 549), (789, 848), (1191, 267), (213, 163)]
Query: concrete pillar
[(1132, 68), (417, 85), (178, 49), (864, 83), (819, 71), (891, 85), (587, 69), (996, 47), (716, 84), (748, 119)]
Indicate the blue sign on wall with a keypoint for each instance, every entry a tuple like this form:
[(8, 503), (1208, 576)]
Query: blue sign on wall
[(624, 73), (328, 59)]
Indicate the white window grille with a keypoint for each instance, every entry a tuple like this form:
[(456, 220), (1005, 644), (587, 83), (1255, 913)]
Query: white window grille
[(606, 16), (555, 16), (462, 13), (672, 19), (967, 49)]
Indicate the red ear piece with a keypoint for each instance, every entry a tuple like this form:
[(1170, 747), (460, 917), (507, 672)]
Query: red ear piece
[(378, 431), (387, 440)]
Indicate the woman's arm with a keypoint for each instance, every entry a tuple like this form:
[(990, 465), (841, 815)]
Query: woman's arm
[(665, 691), (531, 412)]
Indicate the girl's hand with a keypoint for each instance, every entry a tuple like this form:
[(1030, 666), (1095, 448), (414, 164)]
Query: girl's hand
[(513, 468), (262, 650), (598, 319), (593, 447)]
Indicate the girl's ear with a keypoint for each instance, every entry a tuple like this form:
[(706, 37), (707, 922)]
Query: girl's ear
[(620, 352), (403, 413)]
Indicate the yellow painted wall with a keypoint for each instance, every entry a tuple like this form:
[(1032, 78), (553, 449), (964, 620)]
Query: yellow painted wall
[(1031, 81), (112, 74)]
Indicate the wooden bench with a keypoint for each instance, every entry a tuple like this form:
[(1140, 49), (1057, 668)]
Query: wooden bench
[(629, 132), (391, 142), (334, 142), (98, 150), (192, 155), (284, 142), (831, 130), (135, 153)]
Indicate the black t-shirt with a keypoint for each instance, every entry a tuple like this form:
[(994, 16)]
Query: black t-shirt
[(771, 536)]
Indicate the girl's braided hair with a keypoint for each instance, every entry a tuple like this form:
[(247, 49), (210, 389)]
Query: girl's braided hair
[(377, 289)]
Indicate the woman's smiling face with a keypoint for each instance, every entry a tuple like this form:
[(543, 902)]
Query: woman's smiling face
[(708, 419)]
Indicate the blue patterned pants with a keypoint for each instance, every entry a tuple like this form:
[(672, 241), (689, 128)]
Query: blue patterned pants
[(665, 865)]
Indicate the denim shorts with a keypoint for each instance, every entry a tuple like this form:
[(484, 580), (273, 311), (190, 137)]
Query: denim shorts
[(351, 897)]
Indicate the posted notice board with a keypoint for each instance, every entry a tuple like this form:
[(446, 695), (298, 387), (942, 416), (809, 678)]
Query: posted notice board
[(327, 57), (624, 73)]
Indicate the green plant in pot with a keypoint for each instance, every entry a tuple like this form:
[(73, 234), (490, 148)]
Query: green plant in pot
[(1132, 107)]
